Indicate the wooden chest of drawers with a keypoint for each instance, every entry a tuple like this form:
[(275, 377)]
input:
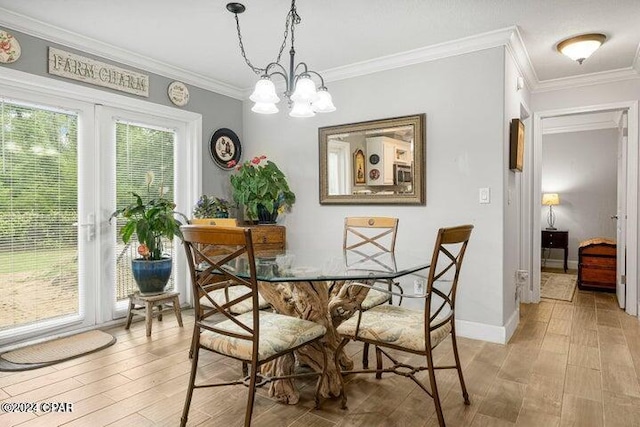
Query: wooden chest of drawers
[(597, 265), (268, 237)]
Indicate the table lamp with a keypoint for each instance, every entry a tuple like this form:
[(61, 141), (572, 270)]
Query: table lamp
[(551, 200)]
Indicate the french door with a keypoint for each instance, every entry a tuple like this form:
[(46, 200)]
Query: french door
[(65, 166), (133, 148), (47, 221)]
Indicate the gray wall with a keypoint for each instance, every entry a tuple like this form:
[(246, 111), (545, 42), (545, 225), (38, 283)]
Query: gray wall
[(217, 110), (463, 98), (582, 168)]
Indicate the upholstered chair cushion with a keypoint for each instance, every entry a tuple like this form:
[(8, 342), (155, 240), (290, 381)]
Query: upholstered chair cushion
[(374, 298), (397, 326), (278, 333), (243, 306)]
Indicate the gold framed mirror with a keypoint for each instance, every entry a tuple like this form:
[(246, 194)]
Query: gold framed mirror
[(374, 162)]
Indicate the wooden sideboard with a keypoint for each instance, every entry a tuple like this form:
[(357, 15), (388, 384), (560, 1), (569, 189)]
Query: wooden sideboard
[(268, 237)]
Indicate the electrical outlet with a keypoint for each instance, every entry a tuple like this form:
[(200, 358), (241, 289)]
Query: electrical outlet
[(522, 276)]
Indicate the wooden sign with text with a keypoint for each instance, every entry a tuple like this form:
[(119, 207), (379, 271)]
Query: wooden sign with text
[(98, 73)]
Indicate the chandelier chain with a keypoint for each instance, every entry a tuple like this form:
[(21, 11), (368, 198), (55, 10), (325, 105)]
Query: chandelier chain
[(292, 19)]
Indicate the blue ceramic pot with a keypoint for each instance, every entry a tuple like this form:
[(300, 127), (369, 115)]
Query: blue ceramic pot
[(151, 276), (265, 217)]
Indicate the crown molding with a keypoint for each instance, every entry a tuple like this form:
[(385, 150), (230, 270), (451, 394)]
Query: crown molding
[(424, 54), (582, 127), (620, 74), (85, 44), (515, 46), (509, 36)]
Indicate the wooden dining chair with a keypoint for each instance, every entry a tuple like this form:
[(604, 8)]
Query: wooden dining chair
[(255, 337), (417, 331), (368, 236), (231, 291)]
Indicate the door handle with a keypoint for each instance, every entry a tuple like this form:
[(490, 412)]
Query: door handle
[(614, 216), (90, 226)]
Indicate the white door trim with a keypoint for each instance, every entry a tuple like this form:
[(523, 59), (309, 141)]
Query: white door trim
[(632, 194)]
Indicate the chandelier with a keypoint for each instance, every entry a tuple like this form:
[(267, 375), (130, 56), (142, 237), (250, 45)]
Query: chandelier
[(304, 98)]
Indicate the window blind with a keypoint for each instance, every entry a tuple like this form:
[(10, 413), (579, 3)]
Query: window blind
[(140, 149), (38, 209)]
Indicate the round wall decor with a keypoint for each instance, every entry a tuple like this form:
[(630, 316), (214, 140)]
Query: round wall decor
[(9, 48), (225, 148), (178, 93)]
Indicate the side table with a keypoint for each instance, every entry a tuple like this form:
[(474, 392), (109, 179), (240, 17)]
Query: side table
[(142, 305), (556, 239)]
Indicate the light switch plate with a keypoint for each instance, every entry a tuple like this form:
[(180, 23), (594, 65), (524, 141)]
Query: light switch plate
[(485, 195)]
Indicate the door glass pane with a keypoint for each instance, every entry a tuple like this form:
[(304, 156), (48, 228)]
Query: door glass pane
[(140, 149), (38, 215)]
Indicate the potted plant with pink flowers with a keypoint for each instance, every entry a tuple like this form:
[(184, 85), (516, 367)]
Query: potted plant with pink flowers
[(261, 187)]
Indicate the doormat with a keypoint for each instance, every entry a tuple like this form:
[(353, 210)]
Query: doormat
[(558, 286), (55, 351)]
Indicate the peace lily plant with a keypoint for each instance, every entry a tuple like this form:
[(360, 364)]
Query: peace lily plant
[(150, 220)]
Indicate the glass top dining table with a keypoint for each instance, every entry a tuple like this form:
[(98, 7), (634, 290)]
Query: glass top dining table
[(310, 264), (311, 283)]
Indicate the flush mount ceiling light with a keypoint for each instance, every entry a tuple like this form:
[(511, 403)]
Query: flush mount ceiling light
[(581, 47), (304, 98)]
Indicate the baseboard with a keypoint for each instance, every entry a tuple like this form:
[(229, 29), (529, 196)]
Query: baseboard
[(484, 332), (558, 263)]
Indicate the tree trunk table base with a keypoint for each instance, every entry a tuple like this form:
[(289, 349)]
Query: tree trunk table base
[(326, 303)]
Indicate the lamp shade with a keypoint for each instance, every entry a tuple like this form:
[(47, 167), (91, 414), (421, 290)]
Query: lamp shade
[(323, 102), (550, 199), (581, 47), (301, 109), (264, 108), (264, 92), (305, 90)]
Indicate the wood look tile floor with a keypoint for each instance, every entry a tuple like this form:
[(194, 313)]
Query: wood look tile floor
[(568, 364)]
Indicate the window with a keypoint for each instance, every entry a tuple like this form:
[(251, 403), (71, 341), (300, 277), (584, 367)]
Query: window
[(140, 149), (38, 214)]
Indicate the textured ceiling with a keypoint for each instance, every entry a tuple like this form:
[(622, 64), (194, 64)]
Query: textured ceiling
[(199, 35)]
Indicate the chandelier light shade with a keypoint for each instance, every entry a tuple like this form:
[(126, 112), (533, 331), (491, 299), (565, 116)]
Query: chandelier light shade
[(265, 92), (581, 47), (551, 200), (264, 108), (305, 99)]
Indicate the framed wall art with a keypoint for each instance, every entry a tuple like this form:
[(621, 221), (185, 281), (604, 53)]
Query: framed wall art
[(516, 146), (225, 148), (358, 170)]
